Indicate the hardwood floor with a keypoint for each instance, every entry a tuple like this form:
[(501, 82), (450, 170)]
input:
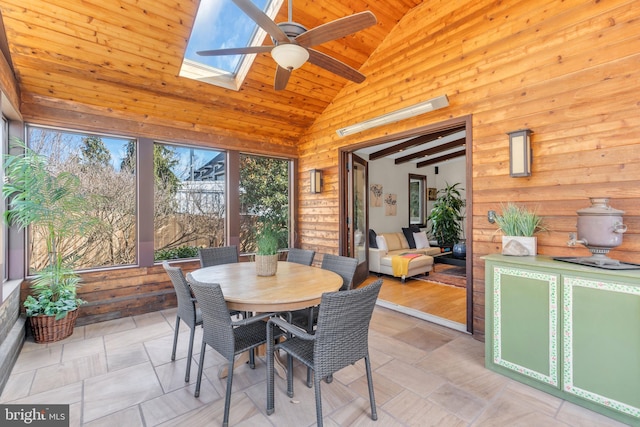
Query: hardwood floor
[(446, 301)]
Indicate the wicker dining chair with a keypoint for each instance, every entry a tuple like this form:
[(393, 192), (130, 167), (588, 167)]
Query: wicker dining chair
[(218, 255), (341, 339), (345, 267), (301, 256), (188, 312), (227, 337)]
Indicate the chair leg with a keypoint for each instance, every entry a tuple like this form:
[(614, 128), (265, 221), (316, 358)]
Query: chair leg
[(175, 338), (317, 382), (289, 375), (309, 378), (372, 399), (252, 358), (199, 380), (270, 374), (227, 398), (190, 354)]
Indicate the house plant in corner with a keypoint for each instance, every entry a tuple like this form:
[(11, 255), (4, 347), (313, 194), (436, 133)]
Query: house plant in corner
[(53, 205), (518, 226), (267, 252), (446, 216)]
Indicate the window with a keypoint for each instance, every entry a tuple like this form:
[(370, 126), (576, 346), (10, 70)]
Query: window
[(221, 25), (4, 230), (106, 168), (189, 200), (264, 198), (417, 200)]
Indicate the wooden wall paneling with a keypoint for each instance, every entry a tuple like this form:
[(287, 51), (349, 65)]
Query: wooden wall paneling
[(96, 119), (561, 69)]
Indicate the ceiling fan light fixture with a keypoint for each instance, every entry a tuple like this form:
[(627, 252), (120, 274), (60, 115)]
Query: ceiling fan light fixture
[(290, 56)]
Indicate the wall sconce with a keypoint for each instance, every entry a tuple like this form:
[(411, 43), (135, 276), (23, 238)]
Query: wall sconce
[(491, 217), (520, 152), (316, 181)]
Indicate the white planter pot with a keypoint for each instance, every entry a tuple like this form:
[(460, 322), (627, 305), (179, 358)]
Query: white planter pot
[(519, 245)]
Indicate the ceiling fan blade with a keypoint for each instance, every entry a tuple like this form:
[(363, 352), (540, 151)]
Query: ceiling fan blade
[(263, 20), (335, 66), (235, 51), (282, 78), (336, 29)]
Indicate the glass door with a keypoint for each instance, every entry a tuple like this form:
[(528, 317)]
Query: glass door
[(358, 215)]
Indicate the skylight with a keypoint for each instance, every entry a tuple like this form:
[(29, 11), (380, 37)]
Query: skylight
[(220, 24)]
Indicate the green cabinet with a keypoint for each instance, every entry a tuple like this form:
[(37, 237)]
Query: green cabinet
[(570, 330)]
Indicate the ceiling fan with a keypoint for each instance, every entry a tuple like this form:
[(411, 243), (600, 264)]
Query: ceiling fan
[(293, 42)]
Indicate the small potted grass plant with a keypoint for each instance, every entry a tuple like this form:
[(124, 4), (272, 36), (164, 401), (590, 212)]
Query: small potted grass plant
[(519, 225), (267, 251)]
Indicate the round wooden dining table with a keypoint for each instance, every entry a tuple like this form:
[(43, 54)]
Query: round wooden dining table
[(293, 287)]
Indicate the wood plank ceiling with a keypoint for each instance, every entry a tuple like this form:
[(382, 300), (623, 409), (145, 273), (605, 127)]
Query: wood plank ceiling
[(123, 57)]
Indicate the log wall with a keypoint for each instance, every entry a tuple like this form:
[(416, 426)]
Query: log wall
[(567, 70)]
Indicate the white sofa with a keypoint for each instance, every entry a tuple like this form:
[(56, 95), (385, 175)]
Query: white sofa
[(380, 260)]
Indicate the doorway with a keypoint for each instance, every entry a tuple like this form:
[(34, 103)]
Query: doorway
[(399, 155)]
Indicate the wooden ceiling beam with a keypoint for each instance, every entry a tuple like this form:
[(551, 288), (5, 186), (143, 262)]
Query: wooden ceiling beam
[(422, 139), (431, 151), (441, 158)]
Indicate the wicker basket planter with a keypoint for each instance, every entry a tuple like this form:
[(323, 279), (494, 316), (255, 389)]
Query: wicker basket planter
[(47, 329), (266, 265)]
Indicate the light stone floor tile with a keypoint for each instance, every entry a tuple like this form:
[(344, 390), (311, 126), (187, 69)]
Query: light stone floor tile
[(153, 318), (129, 417), (109, 327), (413, 410), (424, 338), (124, 357), (35, 359), (69, 372), (119, 372), (17, 386), (68, 394), (458, 402), (79, 349), (137, 335), (175, 403), (172, 374), (397, 349), (411, 377), (117, 390)]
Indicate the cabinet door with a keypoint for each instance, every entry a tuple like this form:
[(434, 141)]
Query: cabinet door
[(524, 322), (601, 344)]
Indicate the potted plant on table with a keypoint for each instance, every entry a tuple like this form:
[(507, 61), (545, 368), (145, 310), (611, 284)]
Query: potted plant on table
[(53, 205), (446, 216), (267, 250), (518, 225)]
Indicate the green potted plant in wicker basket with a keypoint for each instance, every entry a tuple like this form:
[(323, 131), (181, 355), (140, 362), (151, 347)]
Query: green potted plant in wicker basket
[(267, 251), (53, 205)]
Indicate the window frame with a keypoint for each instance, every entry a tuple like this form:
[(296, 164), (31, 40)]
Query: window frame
[(422, 199)]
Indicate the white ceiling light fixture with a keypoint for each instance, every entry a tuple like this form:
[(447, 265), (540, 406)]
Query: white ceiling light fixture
[(395, 116), (290, 56)]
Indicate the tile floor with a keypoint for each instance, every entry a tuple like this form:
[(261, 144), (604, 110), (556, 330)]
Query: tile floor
[(119, 373)]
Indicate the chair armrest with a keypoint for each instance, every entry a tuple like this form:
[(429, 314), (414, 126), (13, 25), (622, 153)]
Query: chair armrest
[(291, 329), (252, 319)]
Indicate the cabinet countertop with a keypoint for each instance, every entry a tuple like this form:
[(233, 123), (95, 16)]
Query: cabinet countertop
[(547, 262)]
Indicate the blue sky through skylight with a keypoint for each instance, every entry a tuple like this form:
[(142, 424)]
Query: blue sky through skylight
[(220, 24)]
